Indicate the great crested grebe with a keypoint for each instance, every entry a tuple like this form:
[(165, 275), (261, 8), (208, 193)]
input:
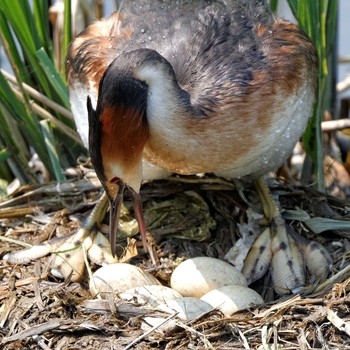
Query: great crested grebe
[(190, 87)]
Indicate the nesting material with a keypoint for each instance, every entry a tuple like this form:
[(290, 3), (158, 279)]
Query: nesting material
[(149, 296), (188, 308), (233, 298), (117, 278), (196, 277)]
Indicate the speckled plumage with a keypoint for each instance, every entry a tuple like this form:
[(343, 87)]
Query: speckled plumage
[(244, 75)]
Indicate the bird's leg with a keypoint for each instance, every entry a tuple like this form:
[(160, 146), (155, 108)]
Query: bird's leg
[(269, 206), (282, 251), (287, 265), (68, 259)]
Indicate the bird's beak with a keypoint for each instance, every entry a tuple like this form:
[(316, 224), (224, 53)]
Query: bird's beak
[(115, 207)]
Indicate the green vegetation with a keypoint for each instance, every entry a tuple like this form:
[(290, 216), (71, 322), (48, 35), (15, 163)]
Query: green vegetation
[(34, 104), (319, 20)]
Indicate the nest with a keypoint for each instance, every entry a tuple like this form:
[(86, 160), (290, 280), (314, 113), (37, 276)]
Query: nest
[(40, 312)]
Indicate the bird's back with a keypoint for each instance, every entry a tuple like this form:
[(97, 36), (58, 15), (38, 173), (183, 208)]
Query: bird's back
[(186, 33)]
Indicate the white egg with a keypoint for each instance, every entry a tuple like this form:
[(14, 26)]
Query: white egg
[(196, 277)]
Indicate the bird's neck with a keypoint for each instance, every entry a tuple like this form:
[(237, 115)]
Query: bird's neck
[(118, 130), (140, 104), (125, 133), (167, 103)]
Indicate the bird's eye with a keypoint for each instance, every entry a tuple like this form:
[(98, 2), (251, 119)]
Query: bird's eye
[(116, 180)]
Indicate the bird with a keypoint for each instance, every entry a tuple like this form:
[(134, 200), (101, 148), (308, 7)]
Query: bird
[(190, 87)]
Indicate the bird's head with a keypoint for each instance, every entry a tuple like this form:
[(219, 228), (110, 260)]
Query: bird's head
[(118, 131)]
